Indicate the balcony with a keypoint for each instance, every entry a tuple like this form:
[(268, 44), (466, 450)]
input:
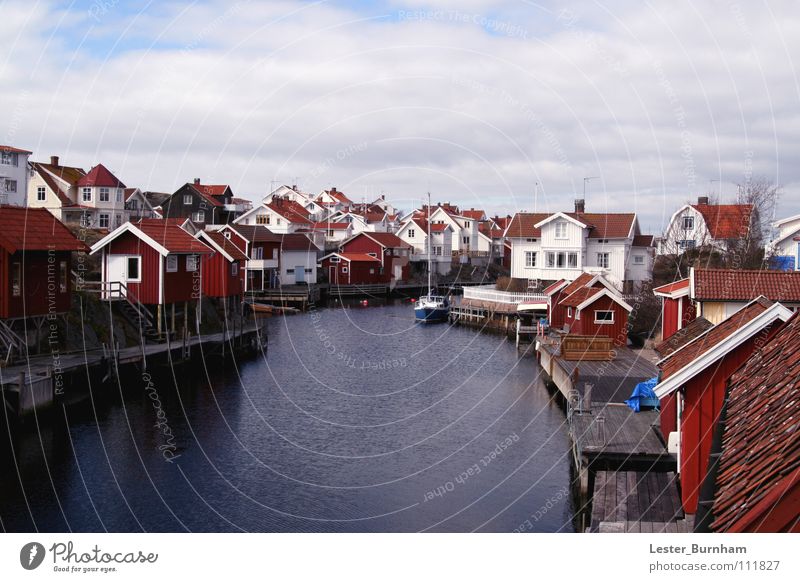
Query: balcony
[(261, 264), (490, 293)]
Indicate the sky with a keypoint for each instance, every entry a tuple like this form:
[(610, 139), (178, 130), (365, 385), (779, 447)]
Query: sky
[(500, 105)]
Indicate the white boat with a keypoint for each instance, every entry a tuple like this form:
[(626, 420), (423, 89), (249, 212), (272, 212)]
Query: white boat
[(431, 308)]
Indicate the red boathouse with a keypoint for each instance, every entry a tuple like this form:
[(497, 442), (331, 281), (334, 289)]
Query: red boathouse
[(224, 271)]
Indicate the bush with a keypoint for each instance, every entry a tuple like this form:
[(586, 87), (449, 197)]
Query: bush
[(511, 285)]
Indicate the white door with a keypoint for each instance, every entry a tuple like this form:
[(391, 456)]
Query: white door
[(299, 274), (398, 272), (117, 273)]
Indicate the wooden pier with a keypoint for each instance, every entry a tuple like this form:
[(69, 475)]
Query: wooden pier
[(35, 383)]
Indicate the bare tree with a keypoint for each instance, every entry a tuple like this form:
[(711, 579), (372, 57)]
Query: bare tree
[(762, 193)]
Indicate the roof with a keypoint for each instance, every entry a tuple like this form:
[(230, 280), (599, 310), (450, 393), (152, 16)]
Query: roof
[(582, 280), (553, 287), (13, 150), (726, 221), (524, 224), (204, 195), (211, 189), (704, 342), (489, 229), (66, 174), (330, 225), (223, 243), (736, 285), (761, 441), (165, 236), (35, 229), (579, 296), (673, 290), (473, 214), (129, 192), (156, 198), (256, 233), (338, 196), (290, 210), (100, 176), (350, 257), (643, 240), (683, 336), (385, 239), (297, 242)]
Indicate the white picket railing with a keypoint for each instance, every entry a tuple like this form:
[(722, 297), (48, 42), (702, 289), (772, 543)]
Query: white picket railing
[(490, 293)]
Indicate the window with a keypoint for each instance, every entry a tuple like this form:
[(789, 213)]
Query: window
[(262, 219), (572, 260), (258, 253), (638, 259), (372, 271), (374, 255), (410, 233), (602, 260), (437, 251), (16, 279), (686, 244), (578, 314), (86, 220), (561, 229), (11, 186), (86, 194), (345, 270), (117, 220), (103, 222), (191, 263), (172, 263), (199, 216), (187, 199), (561, 260), (133, 204), (9, 158), (41, 193), (63, 274), (466, 224), (278, 222), (103, 194), (465, 240), (551, 260), (604, 317), (134, 273), (119, 194), (688, 223), (234, 269), (275, 254), (227, 234), (569, 311), (530, 259), (531, 239), (335, 260)]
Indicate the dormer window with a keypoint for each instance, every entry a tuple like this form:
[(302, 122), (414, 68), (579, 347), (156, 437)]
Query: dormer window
[(561, 229), (688, 223)]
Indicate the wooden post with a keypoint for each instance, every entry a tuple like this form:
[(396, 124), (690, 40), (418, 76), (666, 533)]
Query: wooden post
[(158, 315)]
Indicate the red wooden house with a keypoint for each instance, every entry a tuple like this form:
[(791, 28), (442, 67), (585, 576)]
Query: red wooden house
[(352, 269), (698, 372), (155, 261), (263, 249), (392, 252), (559, 313), (597, 312), (35, 263), (755, 485), (677, 308), (224, 271)]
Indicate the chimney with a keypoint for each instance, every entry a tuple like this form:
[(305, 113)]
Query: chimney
[(197, 181), (580, 206), (294, 187), (53, 160), (702, 200), (333, 189)]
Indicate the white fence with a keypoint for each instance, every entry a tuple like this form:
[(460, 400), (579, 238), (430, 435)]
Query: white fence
[(489, 293)]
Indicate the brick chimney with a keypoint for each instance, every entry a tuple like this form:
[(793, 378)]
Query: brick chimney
[(197, 181), (53, 160), (702, 199), (333, 189), (580, 206)]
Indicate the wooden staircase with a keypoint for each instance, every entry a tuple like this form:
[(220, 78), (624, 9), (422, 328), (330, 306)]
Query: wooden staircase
[(135, 312), (11, 344)]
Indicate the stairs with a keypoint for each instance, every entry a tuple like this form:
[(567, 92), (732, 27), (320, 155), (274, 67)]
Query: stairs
[(10, 344), (138, 315)]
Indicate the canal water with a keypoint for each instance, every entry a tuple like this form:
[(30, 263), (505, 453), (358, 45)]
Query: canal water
[(356, 419)]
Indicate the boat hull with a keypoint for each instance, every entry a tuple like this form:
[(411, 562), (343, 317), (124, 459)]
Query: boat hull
[(431, 314)]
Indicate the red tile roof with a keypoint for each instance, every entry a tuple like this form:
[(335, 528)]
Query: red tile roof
[(358, 257), (761, 437), (211, 189), (386, 239), (100, 176), (550, 289), (705, 342), (600, 225), (683, 336), (290, 210), (65, 173), (672, 287), (582, 280), (169, 234), (13, 150), (579, 296), (226, 245), (297, 242), (726, 221), (330, 225), (35, 229), (473, 214), (735, 285)]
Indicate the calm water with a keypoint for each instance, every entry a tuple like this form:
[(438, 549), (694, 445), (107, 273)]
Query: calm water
[(356, 420)]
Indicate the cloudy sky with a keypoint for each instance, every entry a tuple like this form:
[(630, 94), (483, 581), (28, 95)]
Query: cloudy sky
[(482, 103)]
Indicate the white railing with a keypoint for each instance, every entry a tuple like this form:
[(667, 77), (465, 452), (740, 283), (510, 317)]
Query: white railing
[(259, 264), (490, 293)]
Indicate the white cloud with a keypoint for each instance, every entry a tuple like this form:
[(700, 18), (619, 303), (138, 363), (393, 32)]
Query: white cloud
[(655, 101)]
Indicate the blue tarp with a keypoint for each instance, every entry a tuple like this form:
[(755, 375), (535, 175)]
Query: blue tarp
[(643, 395), (782, 263)]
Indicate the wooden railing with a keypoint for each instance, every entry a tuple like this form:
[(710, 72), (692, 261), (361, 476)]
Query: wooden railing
[(587, 347), (113, 291)]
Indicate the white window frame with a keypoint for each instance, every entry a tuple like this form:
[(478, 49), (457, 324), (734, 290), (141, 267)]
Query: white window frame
[(687, 222), (192, 263), (199, 216), (561, 229), (604, 260), (638, 259), (86, 194), (345, 270), (570, 263), (104, 194), (604, 321), (569, 311), (530, 259), (102, 218), (258, 253), (119, 194), (171, 264), (335, 260), (187, 199), (41, 193), (577, 314), (410, 233), (550, 260)]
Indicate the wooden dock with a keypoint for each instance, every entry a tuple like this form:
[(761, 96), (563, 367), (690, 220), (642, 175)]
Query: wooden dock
[(635, 501)]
